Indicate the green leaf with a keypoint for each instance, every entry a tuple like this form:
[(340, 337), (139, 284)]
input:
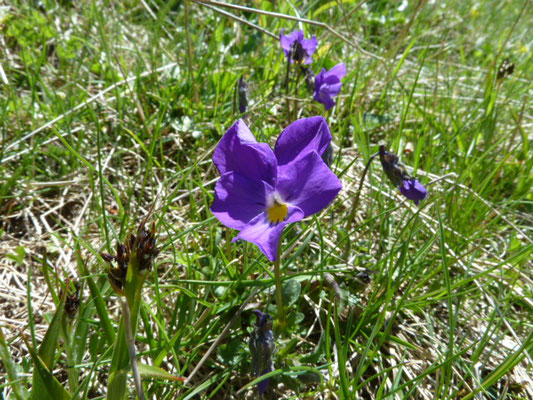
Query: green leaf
[(116, 387), (504, 368), (332, 4), (318, 353), (45, 385), (96, 296), (48, 346), (149, 371), (19, 391), (231, 353), (44, 382), (19, 257), (291, 292)]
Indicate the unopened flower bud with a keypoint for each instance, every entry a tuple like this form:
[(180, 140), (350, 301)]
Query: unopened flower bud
[(243, 91), (262, 348)]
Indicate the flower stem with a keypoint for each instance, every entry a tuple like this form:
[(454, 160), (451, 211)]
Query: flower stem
[(117, 387), (279, 292), (341, 353), (287, 74), (286, 83), (131, 350), (190, 52), (355, 204), (296, 93)]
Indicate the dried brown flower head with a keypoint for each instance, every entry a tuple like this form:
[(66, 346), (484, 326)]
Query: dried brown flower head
[(138, 248), (72, 302)]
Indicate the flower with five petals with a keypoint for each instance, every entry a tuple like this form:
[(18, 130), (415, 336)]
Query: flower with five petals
[(262, 190), (328, 85), (297, 49)]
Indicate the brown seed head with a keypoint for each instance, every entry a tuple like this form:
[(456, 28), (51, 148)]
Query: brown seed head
[(141, 246)]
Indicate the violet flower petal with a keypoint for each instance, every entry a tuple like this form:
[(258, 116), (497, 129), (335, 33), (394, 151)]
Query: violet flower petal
[(238, 151), (334, 89), (265, 234), (309, 46), (308, 184), (336, 73), (325, 98), (239, 199), (413, 190), (319, 79), (328, 85), (287, 40), (302, 137)]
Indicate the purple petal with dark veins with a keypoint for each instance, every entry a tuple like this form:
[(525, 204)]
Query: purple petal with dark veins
[(324, 97), (335, 74), (309, 45), (334, 89)]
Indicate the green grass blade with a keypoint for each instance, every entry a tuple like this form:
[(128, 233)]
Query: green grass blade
[(19, 390)]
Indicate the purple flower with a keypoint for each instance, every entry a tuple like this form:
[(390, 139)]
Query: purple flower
[(409, 186), (297, 48), (261, 191), (328, 85), (262, 348), (413, 190)]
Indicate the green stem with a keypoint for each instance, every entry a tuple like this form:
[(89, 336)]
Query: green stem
[(287, 88), (287, 74), (190, 52), (131, 350), (279, 292), (120, 361), (73, 376), (296, 94), (355, 204), (341, 354)]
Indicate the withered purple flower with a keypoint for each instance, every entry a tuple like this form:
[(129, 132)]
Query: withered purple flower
[(262, 348), (413, 190), (297, 49), (261, 191), (392, 167), (409, 186), (140, 248), (328, 85)]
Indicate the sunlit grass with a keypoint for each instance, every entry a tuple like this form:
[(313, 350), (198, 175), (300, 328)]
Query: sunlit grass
[(100, 121)]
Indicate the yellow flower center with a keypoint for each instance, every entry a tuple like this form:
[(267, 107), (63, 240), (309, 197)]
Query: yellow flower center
[(277, 212)]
